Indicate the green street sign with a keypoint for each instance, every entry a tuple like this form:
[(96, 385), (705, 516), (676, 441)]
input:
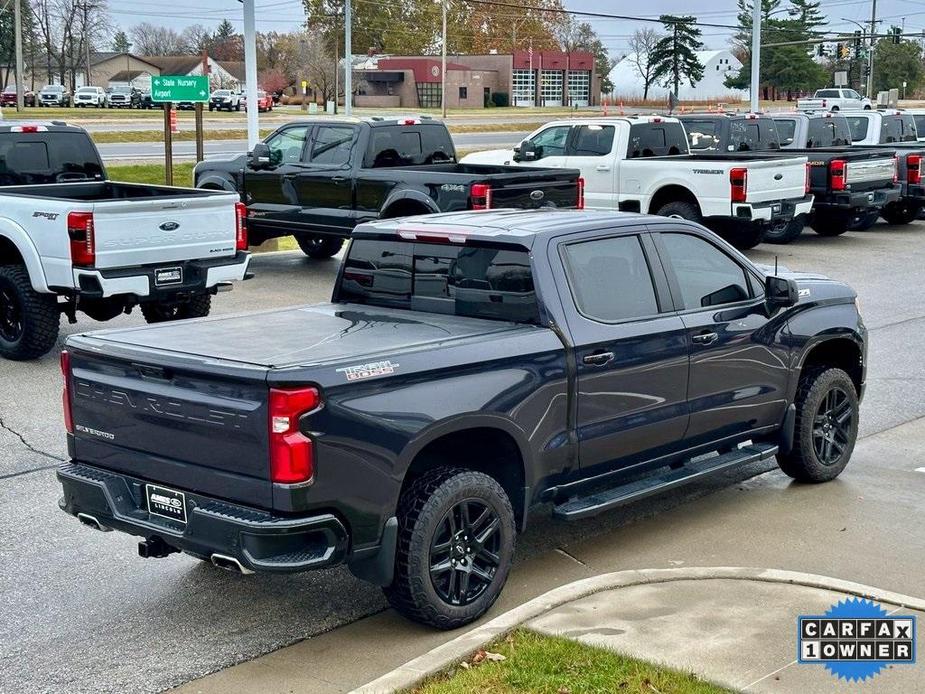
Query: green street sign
[(180, 88)]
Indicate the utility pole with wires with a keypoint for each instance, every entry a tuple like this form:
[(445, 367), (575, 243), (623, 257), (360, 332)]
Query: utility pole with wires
[(870, 56), (756, 57), (86, 9), (348, 57), (20, 78), (443, 4)]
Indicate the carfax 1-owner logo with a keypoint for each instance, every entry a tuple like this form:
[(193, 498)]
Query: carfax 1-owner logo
[(856, 639)]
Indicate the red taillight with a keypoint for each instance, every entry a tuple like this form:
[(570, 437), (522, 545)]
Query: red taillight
[(914, 169), (66, 391), (895, 169), (738, 179), (29, 129), (240, 226), (80, 232), (581, 194), (480, 196), (806, 179), (291, 452), (838, 171)]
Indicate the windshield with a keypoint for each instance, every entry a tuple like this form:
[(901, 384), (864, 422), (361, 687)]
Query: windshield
[(87, 90), (473, 281), (121, 90), (48, 157), (53, 88), (221, 92)]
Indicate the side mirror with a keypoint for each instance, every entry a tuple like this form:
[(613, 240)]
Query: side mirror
[(259, 156), (528, 151), (780, 292)]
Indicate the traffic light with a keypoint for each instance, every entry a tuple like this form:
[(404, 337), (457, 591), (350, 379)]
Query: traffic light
[(842, 51), (857, 40), (867, 69), (897, 35), (820, 50)]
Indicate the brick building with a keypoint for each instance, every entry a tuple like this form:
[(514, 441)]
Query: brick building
[(529, 78)]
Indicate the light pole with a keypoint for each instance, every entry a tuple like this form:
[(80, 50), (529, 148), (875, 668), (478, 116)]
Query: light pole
[(443, 61), (250, 72), (348, 56), (756, 54)]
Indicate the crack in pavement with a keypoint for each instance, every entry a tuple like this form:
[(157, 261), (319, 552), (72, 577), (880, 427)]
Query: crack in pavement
[(37, 451), (41, 468)]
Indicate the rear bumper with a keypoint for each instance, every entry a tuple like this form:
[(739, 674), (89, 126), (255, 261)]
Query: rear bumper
[(198, 276), (860, 200), (772, 211), (257, 539)]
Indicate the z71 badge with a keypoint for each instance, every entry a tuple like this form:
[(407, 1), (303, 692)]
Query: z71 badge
[(375, 368)]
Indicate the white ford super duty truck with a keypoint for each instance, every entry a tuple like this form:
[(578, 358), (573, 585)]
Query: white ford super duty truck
[(643, 164), (72, 240)]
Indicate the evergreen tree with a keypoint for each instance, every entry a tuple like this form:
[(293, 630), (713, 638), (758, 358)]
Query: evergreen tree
[(120, 42), (674, 57)]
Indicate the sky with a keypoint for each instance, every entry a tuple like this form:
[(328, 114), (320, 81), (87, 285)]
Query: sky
[(286, 15)]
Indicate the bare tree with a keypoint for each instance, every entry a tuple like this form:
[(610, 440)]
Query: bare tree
[(149, 39), (641, 45), (66, 30)]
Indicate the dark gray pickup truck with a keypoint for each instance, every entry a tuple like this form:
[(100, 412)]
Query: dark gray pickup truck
[(469, 367), (316, 180)]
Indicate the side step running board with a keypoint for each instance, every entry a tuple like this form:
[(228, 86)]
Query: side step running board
[(606, 499)]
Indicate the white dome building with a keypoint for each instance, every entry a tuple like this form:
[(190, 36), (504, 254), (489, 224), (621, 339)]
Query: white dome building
[(717, 66)]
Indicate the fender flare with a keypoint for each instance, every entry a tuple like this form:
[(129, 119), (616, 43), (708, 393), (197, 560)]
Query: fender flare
[(223, 182), (463, 422), (408, 194), (16, 235)]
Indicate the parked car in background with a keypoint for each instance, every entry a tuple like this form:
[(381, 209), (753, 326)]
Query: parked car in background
[(846, 183), (72, 240), (54, 95), (317, 179), (225, 100), (264, 101), (124, 97), (8, 96), (834, 99), (90, 97), (146, 102), (644, 164), (471, 368)]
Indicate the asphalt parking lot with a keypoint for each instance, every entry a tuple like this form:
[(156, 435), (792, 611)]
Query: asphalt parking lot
[(83, 613)]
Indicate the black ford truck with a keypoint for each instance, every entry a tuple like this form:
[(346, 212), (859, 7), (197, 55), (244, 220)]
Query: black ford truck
[(848, 184), (469, 367), (316, 180)]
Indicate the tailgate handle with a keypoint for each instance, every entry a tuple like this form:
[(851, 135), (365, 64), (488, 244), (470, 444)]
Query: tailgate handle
[(152, 372)]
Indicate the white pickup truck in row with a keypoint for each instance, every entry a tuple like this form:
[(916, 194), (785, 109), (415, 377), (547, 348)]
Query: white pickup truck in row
[(71, 240), (643, 164), (834, 99)]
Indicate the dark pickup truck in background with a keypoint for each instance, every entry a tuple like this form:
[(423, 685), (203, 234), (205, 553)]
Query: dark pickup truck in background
[(469, 367), (847, 183), (316, 180)]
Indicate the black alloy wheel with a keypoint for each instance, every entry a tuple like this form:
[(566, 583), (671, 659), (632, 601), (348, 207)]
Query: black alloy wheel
[(464, 552), (11, 324), (832, 426)]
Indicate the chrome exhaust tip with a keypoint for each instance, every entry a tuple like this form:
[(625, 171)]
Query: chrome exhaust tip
[(229, 564), (92, 522)]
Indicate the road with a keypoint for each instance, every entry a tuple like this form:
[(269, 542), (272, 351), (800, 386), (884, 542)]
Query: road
[(82, 613), (154, 151)]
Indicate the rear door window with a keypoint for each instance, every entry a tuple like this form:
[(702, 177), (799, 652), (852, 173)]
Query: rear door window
[(656, 140), (332, 144), (592, 141), (473, 281), (610, 279)]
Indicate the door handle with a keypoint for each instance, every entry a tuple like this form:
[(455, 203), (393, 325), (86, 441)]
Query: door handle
[(339, 179), (707, 337), (598, 358), (602, 167)]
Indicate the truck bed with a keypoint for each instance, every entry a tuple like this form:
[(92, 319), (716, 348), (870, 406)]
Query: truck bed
[(106, 191)]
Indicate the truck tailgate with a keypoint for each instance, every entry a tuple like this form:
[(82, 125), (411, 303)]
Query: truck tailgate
[(878, 170), (166, 422), (776, 179), (142, 232), (525, 190)]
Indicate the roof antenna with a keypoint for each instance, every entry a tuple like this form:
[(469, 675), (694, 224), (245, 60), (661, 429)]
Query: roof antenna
[(775, 264)]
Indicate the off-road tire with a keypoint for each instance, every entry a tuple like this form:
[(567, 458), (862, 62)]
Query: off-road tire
[(802, 462), (900, 213), (162, 312), (786, 233), (38, 313), (319, 247), (830, 225), (422, 509), (681, 210)]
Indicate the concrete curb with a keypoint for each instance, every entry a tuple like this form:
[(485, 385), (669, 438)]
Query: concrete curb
[(441, 657)]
